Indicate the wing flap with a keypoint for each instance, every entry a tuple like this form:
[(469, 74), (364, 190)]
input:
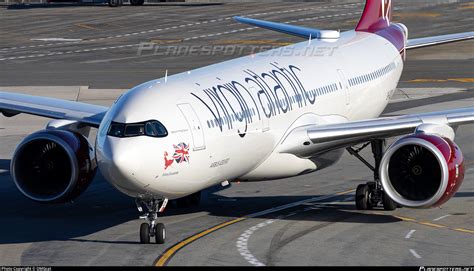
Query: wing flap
[(14, 103)]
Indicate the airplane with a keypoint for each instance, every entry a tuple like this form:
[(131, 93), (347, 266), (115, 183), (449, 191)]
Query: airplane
[(276, 114)]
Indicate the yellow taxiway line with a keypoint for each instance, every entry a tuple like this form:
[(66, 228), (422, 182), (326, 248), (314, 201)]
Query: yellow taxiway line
[(458, 80), (429, 224), (169, 253)]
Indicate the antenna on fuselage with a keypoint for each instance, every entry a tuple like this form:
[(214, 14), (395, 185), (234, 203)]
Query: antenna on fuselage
[(166, 76), (309, 41)]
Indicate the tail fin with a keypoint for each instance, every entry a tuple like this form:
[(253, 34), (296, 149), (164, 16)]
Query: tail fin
[(377, 15)]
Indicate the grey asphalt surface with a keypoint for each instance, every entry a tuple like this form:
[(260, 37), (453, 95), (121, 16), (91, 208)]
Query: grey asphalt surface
[(101, 227)]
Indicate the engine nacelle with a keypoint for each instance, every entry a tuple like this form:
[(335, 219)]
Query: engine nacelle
[(422, 170), (53, 166)]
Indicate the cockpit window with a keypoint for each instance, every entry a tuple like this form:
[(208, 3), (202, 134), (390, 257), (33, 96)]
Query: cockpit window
[(134, 129), (116, 129), (155, 128), (152, 128)]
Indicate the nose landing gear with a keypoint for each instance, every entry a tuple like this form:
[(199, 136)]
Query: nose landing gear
[(151, 229)]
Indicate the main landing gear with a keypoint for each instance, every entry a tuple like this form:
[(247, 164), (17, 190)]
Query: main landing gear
[(151, 229), (115, 3), (369, 195)]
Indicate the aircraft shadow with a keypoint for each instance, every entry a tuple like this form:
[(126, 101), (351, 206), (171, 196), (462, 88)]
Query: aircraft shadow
[(24, 221), (408, 104), (464, 195), (102, 207), (5, 165)]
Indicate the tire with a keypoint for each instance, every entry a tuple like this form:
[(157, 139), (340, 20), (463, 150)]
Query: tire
[(144, 233), (160, 233), (388, 203), (362, 197), (114, 3), (137, 2)]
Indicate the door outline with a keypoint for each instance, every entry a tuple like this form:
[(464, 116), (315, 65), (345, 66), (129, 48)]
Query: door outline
[(265, 122), (194, 124), (345, 85)]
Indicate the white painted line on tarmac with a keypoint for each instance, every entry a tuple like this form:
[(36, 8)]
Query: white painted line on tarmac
[(242, 241), (75, 41), (55, 39), (409, 234), (186, 39), (416, 255), (442, 217), (242, 244)]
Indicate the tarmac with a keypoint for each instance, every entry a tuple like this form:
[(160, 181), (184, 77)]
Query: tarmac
[(95, 53)]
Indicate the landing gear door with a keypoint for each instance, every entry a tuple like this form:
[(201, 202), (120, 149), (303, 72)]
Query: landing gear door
[(194, 125), (345, 85)]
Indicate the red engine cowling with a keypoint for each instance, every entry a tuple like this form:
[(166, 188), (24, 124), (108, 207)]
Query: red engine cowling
[(53, 166), (422, 170)]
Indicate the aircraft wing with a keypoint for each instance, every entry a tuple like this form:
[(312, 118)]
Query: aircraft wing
[(294, 30), (436, 40), (310, 139), (314, 33), (13, 103)]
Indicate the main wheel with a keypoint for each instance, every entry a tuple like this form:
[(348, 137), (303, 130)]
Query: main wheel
[(160, 233), (113, 3), (362, 197), (388, 203), (144, 233), (137, 2)]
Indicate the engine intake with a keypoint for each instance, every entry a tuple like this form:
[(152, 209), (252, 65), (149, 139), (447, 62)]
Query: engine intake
[(422, 170), (53, 166)]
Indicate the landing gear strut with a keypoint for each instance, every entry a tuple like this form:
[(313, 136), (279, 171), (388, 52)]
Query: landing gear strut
[(371, 194), (151, 228)]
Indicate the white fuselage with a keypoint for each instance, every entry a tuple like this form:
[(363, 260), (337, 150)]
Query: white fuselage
[(225, 121)]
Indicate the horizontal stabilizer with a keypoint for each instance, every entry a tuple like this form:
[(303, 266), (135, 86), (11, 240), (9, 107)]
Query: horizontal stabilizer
[(435, 40), (299, 31)]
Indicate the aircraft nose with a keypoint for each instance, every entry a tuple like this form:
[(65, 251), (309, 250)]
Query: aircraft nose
[(120, 163)]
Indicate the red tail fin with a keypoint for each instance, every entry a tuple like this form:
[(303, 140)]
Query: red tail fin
[(377, 15)]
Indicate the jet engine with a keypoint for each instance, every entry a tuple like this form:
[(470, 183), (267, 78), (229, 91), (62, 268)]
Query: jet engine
[(53, 166), (422, 170)]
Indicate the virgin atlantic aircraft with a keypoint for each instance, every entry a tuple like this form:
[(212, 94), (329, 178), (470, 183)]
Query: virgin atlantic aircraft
[(292, 110)]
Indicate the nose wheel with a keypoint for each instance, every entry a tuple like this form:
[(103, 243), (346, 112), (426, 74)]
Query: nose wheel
[(151, 229)]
